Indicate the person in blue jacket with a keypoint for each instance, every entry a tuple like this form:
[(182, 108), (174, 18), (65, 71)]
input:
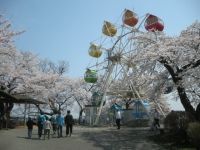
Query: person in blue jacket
[(40, 123), (60, 124), (54, 123)]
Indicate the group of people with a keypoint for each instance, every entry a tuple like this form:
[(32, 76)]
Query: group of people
[(55, 123)]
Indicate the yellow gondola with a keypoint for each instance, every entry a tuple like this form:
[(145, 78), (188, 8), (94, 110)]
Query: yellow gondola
[(130, 18), (109, 29), (95, 51)]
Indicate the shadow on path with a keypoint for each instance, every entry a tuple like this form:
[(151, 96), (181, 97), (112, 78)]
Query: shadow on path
[(23, 137), (123, 139)]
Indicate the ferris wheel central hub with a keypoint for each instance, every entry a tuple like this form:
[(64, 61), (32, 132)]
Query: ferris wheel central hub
[(115, 58)]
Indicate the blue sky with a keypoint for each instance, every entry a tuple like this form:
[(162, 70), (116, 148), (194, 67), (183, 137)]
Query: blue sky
[(63, 29)]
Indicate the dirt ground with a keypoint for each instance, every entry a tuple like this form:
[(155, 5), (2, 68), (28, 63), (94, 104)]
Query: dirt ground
[(84, 138)]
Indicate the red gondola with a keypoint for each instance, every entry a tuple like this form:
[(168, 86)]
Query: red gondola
[(153, 23)]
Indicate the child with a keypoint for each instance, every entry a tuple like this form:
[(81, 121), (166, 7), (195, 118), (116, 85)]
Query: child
[(30, 124), (47, 128)]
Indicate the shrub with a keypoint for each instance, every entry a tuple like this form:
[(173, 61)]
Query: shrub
[(177, 120), (193, 132)]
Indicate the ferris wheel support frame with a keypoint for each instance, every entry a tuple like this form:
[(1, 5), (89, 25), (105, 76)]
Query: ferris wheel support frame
[(158, 105), (131, 83), (105, 88), (138, 95)]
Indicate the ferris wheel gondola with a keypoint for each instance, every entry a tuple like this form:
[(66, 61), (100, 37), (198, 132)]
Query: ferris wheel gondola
[(95, 50), (130, 18), (153, 23), (109, 29), (90, 76)]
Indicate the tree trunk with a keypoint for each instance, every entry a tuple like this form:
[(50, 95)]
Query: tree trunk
[(2, 112), (9, 107), (80, 116), (25, 111), (198, 112), (177, 79), (127, 105), (185, 101)]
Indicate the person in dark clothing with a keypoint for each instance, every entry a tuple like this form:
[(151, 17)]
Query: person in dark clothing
[(69, 121), (118, 119), (156, 123), (30, 124), (2, 113)]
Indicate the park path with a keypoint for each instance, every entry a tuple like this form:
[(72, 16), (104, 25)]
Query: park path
[(83, 138)]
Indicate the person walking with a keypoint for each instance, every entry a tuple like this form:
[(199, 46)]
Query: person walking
[(40, 123), (29, 125), (60, 124), (54, 123), (156, 123), (118, 119), (69, 121), (47, 128)]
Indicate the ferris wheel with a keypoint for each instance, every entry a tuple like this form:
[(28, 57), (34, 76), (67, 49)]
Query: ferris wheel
[(118, 46)]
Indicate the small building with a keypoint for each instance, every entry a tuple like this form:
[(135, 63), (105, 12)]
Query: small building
[(90, 114), (141, 110), (138, 115)]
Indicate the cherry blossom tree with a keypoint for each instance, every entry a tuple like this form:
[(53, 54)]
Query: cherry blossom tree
[(7, 53), (175, 60), (81, 95), (55, 88), (24, 73)]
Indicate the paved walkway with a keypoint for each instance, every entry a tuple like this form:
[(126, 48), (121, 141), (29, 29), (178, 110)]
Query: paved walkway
[(83, 138)]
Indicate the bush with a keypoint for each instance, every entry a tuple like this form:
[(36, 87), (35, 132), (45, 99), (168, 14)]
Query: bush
[(176, 123), (177, 120), (193, 132)]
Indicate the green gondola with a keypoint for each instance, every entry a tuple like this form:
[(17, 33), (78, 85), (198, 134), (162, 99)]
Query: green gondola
[(90, 76)]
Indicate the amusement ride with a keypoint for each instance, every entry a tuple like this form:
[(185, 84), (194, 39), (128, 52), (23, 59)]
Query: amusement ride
[(117, 44)]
